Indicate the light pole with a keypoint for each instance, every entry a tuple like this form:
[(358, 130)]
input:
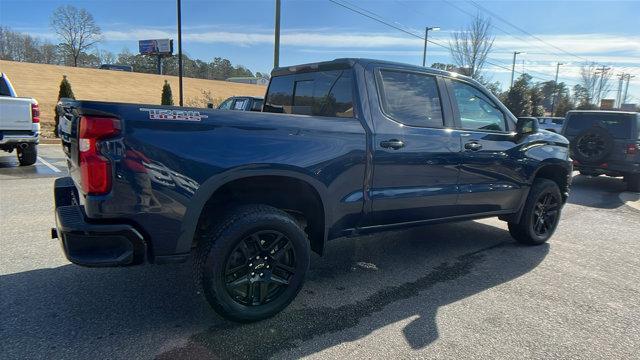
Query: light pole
[(180, 49), (555, 89), (426, 37), (276, 46), (513, 67)]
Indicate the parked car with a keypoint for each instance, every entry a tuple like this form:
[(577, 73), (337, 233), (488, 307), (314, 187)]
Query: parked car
[(243, 103), (19, 123), (117, 67), (551, 123), (605, 143), (345, 147)]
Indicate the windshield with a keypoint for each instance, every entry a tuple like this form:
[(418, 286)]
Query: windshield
[(619, 125)]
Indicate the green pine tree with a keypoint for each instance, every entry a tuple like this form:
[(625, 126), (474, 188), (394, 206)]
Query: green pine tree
[(167, 97), (64, 92)]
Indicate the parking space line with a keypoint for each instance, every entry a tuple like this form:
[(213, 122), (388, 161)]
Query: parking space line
[(47, 164)]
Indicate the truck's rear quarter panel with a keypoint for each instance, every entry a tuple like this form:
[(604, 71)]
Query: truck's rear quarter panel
[(160, 166)]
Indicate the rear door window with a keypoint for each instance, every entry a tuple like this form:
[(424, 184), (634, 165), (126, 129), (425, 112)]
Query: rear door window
[(322, 93), (618, 125), (411, 98)]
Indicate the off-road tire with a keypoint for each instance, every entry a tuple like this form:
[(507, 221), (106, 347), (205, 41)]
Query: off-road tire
[(595, 136), (217, 244), (633, 182), (523, 231), (27, 156)]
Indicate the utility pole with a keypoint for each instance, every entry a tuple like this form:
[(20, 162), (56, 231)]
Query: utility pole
[(180, 50), (276, 46), (602, 71), (626, 89), (619, 92), (426, 37), (513, 67), (555, 89)]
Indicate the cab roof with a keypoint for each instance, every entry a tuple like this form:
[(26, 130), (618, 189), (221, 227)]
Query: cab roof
[(346, 63)]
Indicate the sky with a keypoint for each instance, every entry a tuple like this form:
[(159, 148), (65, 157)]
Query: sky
[(548, 32)]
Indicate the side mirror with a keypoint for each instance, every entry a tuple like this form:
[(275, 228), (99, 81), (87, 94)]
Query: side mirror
[(527, 125)]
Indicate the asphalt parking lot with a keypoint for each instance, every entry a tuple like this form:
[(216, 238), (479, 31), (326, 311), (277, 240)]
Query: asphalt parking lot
[(461, 290)]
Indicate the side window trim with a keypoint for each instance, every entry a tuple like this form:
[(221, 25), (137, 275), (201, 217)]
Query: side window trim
[(381, 96), (456, 111)]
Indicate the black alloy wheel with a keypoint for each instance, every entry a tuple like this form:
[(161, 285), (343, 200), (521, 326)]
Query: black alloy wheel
[(252, 263), (540, 215), (259, 268), (545, 214)]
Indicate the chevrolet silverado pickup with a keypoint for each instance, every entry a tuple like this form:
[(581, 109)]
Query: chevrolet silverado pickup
[(341, 148), (19, 123)]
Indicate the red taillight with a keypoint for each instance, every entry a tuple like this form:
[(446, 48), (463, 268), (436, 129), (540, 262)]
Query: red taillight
[(95, 169), (35, 113), (632, 149)]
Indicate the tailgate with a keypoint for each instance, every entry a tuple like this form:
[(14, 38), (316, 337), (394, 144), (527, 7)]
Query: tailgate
[(15, 113), (68, 131)]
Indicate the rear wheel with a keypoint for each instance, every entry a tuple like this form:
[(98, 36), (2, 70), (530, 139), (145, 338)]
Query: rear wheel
[(541, 214), (28, 155), (253, 263), (633, 182)]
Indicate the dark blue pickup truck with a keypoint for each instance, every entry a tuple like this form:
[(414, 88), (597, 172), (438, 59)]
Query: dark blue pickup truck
[(341, 148)]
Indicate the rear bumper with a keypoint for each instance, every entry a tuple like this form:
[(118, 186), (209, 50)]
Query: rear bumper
[(9, 137), (93, 244)]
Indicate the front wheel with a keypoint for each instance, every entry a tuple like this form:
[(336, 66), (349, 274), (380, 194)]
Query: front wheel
[(253, 263), (541, 214), (28, 155)]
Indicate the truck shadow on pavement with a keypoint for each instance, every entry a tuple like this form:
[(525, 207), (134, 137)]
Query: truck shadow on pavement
[(359, 286), (599, 192), (436, 265)]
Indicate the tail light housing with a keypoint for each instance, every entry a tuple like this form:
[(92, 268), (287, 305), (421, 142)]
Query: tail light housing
[(35, 113), (95, 169), (632, 149)]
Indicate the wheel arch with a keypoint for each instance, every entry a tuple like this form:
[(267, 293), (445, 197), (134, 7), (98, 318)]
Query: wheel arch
[(309, 200), (558, 172)]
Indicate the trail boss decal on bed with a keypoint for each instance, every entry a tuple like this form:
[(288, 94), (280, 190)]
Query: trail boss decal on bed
[(164, 114)]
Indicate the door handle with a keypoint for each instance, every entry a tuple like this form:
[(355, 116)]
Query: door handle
[(473, 146), (394, 144)]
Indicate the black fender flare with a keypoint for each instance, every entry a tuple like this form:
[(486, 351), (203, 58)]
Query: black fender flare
[(210, 186)]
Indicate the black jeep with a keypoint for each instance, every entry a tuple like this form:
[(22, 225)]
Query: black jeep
[(605, 143)]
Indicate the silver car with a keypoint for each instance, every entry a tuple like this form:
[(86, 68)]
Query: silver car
[(551, 123)]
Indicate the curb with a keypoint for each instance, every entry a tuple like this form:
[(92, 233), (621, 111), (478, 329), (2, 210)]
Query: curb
[(631, 199), (50, 141)]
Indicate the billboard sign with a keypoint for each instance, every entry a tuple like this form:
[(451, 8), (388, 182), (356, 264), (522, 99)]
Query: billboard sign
[(156, 47), (606, 104)]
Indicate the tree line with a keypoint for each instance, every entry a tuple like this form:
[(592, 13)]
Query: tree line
[(78, 37), (469, 49)]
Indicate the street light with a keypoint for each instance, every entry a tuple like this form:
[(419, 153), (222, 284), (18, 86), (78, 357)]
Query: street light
[(513, 68), (555, 89), (426, 36), (179, 5)]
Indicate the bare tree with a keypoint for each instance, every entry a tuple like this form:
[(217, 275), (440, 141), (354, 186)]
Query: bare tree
[(469, 47), (77, 30), (589, 82), (105, 56)]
